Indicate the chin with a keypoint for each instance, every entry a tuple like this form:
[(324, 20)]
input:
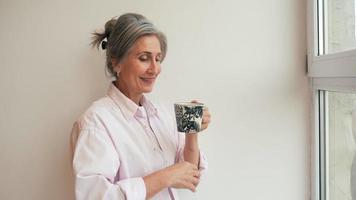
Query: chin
[(147, 89)]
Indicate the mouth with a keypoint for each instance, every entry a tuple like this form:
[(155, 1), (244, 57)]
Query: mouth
[(148, 80)]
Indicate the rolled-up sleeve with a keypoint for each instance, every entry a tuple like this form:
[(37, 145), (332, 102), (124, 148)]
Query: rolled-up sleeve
[(96, 163)]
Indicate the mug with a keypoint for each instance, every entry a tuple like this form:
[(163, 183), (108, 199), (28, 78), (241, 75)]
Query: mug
[(189, 116)]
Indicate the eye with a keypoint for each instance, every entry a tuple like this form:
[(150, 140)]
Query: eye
[(143, 57), (159, 59)]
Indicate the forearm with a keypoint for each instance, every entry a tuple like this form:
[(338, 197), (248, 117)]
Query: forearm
[(191, 149), (155, 182)]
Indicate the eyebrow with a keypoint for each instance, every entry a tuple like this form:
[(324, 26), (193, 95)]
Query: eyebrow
[(159, 53)]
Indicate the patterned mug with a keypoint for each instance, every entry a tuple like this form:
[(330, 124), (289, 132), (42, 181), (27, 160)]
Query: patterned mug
[(189, 116)]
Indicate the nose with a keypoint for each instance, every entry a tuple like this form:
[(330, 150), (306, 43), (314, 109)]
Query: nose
[(154, 68)]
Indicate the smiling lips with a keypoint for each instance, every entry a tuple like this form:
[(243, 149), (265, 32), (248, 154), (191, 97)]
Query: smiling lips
[(148, 80)]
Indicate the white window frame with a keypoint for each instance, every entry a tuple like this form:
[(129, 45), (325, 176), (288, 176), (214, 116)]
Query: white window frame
[(330, 72), (342, 64)]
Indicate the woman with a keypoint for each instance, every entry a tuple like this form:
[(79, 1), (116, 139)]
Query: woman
[(125, 147)]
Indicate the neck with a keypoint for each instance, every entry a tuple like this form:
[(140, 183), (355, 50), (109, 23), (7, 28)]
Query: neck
[(125, 90)]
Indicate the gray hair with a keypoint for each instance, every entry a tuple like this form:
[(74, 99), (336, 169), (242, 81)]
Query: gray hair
[(122, 33)]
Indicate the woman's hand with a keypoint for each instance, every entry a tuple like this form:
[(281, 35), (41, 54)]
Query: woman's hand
[(183, 175), (180, 175), (206, 117)]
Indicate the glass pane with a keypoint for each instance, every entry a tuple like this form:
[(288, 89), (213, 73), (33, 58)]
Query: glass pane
[(340, 24), (340, 141)]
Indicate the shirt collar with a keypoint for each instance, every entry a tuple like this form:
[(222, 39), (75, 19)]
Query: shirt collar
[(127, 106), (149, 107)]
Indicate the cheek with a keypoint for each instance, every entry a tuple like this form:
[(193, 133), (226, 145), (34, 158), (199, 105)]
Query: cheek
[(159, 70), (135, 71)]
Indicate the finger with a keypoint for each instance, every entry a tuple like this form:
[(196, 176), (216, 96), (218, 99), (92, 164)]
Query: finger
[(194, 101), (206, 120), (206, 114), (206, 123), (196, 173), (191, 186), (195, 181), (195, 167), (206, 109), (188, 184)]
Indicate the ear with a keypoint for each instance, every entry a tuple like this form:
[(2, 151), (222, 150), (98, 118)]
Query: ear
[(114, 62), (116, 65)]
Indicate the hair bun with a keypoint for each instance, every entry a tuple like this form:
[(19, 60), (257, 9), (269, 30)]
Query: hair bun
[(104, 44)]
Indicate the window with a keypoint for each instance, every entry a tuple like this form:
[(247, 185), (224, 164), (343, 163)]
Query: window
[(331, 38), (332, 71), (338, 167), (339, 17)]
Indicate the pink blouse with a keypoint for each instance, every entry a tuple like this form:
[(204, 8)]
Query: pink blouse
[(116, 143)]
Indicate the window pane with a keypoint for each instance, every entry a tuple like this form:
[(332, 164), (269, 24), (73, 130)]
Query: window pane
[(340, 26), (340, 141)]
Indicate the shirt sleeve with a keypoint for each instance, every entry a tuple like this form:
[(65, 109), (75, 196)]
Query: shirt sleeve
[(96, 163), (203, 163)]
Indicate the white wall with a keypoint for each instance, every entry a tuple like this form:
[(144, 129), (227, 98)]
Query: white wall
[(244, 59)]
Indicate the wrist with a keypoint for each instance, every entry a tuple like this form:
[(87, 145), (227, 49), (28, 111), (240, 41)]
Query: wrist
[(191, 136), (191, 142), (165, 177), (156, 182)]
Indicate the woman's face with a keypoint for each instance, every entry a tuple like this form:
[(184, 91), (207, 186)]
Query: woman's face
[(141, 66)]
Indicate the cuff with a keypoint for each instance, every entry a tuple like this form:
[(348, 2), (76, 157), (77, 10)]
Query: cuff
[(134, 188), (203, 163)]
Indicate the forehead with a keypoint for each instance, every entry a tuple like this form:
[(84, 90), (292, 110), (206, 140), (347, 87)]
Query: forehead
[(148, 43)]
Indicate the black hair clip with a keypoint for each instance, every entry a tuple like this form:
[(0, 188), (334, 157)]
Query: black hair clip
[(104, 44)]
